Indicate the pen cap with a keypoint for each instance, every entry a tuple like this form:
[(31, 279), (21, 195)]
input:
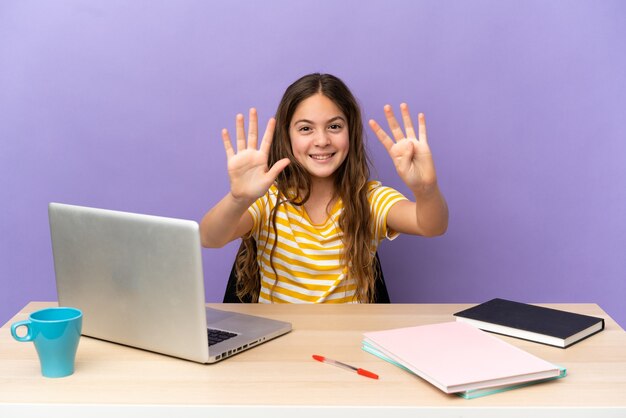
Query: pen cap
[(366, 373)]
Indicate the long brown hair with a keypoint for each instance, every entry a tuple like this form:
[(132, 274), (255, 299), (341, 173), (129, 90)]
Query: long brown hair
[(293, 184)]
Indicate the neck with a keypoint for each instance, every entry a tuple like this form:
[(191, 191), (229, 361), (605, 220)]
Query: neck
[(321, 201), (322, 189)]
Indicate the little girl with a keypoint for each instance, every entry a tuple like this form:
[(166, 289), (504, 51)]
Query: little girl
[(309, 216)]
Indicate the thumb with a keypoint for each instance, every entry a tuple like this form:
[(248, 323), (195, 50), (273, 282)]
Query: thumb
[(278, 166), (412, 148)]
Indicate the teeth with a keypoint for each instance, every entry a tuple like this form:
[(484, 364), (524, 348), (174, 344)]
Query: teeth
[(322, 157)]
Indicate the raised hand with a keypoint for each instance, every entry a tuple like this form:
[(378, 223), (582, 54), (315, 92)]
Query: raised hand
[(410, 152), (250, 177)]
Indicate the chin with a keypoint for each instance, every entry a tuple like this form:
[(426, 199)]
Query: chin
[(318, 174)]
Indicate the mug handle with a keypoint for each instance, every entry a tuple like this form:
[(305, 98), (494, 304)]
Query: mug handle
[(27, 337)]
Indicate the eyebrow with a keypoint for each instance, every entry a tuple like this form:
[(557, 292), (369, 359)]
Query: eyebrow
[(328, 121)]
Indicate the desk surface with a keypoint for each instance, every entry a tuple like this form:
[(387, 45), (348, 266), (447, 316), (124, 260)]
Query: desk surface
[(282, 373)]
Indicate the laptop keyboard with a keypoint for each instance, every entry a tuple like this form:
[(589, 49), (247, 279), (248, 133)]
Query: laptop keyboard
[(217, 336)]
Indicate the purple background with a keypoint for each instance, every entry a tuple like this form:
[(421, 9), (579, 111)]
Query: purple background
[(119, 104)]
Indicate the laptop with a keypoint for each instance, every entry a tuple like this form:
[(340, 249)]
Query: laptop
[(138, 280)]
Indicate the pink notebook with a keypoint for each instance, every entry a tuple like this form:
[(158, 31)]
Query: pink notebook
[(456, 357)]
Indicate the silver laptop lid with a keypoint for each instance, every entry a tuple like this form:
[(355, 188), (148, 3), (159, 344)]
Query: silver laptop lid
[(137, 278)]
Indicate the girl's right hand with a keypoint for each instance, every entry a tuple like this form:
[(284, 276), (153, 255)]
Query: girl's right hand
[(249, 175)]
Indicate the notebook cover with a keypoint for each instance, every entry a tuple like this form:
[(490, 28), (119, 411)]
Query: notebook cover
[(468, 394), (455, 356), (532, 318)]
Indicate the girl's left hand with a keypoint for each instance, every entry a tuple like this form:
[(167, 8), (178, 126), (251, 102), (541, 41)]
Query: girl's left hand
[(410, 153)]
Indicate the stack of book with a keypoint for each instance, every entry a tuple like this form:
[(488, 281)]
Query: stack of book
[(460, 358)]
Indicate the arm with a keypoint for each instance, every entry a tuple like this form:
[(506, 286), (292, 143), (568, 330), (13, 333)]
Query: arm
[(225, 222), (250, 179), (428, 215)]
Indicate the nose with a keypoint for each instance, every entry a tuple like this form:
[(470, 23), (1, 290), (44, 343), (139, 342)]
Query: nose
[(321, 139)]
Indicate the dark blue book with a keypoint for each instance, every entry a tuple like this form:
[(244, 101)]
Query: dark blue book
[(530, 322)]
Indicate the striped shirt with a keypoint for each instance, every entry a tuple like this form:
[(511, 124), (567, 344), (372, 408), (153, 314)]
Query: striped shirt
[(307, 257)]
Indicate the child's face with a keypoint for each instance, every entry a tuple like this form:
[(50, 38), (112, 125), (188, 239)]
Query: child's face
[(319, 136)]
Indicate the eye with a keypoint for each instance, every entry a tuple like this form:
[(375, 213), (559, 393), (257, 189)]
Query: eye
[(335, 127), (304, 129)]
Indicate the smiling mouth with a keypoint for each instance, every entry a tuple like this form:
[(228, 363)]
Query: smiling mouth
[(321, 157)]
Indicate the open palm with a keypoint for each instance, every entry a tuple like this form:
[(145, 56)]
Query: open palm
[(250, 177), (409, 152)]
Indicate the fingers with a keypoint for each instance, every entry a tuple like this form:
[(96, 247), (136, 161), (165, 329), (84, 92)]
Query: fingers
[(381, 134), (421, 126), (253, 130), (241, 133), (406, 119), (253, 133), (228, 146), (396, 130), (278, 166), (268, 136)]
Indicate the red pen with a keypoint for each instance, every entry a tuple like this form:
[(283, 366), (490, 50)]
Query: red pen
[(360, 371)]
